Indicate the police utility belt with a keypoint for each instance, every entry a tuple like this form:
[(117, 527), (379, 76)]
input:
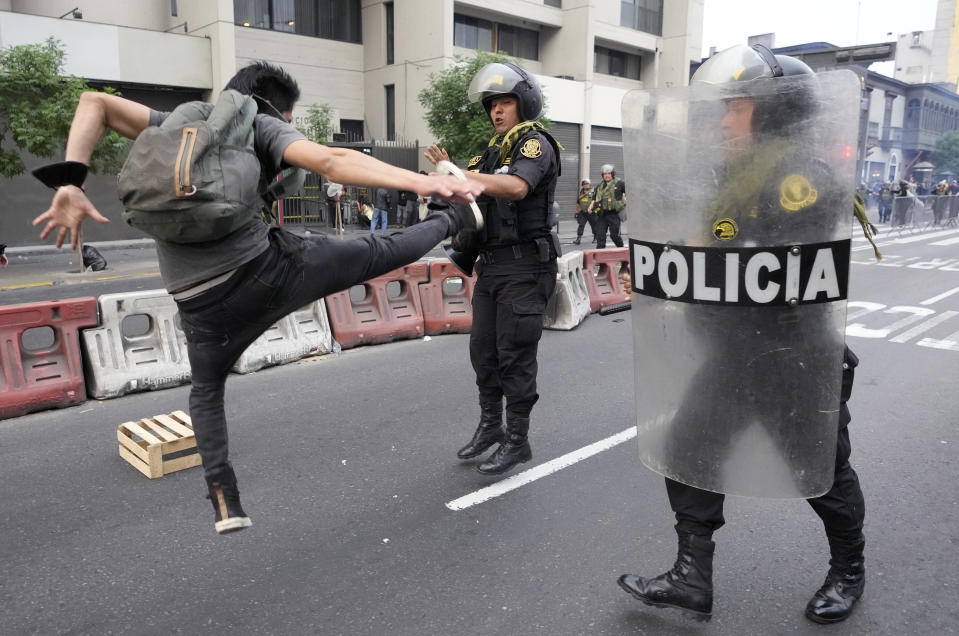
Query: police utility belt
[(541, 247)]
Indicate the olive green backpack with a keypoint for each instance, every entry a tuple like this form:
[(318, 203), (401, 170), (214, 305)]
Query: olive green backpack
[(194, 178)]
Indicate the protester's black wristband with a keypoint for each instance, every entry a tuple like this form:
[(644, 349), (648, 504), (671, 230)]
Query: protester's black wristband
[(63, 173)]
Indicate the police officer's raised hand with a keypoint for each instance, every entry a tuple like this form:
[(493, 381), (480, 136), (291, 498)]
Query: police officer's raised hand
[(69, 207), (434, 154)]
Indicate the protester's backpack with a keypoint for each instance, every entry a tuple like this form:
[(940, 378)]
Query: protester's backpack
[(194, 178)]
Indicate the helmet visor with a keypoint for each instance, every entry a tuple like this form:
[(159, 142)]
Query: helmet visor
[(739, 63), (493, 79)]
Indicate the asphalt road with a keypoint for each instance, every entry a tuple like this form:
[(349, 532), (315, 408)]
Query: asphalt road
[(346, 466)]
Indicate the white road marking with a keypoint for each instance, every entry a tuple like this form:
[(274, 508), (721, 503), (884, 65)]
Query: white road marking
[(908, 239), (537, 472), (935, 299), (951, 241)]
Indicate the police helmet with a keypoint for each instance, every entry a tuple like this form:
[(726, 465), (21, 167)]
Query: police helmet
[(586, 182), (608, 167), (749, 70), (506, 78)]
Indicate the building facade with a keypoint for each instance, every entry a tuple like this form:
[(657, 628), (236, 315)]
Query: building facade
[(369, 59)]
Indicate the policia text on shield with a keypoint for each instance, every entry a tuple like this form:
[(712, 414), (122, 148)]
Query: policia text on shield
[(740, 284)]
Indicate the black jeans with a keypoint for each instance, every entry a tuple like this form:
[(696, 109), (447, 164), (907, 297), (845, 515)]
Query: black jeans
[(222, 322), (842, 509), (507, 325), (582, 218), (611, 221)]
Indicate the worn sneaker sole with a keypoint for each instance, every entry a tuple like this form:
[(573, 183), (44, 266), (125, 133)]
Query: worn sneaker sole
[(701, 617), (232, 524)]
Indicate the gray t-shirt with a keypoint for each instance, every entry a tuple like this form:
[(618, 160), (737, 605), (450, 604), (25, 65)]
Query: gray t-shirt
[(183, 265)]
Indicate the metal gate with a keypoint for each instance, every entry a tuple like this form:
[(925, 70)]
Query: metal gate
[(313, 207), (606, 146), (567, 186)]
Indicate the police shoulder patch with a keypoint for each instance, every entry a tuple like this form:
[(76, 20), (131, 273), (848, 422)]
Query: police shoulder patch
[(531, 149), (475, 160), (796, 193), (725, 229)]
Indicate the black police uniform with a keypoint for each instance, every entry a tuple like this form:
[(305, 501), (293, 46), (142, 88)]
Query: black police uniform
[(516, 272), (785, 191)]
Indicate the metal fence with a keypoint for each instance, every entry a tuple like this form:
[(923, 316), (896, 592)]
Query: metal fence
[(917, 213)]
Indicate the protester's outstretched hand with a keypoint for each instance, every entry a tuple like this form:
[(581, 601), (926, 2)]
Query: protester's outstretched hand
[(434, 154), (449, 188), (69, 207)]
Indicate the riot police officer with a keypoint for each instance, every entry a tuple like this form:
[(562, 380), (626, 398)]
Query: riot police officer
[(609, 200), (583, 214), (766, 183), (516, 254)]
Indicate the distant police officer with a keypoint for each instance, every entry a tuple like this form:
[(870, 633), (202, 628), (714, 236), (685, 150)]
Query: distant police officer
[(767, 187), (609, 200), (516, 259), (583, 214)]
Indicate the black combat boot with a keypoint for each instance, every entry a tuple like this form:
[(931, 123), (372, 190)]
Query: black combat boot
[(490, 430), (844, 584), (514, 450), (688, 586), (226, 503), (576, 241)]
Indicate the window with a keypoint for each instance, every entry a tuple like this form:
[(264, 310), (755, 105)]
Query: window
[(618, 63), (472, 33), (391, 112), (329, 19), (917, 38), (642, 15), (389, 32), (554, 3), (476, 33), (517, 42)]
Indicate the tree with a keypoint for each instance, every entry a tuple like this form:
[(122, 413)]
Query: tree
[(946, 153), (462, 128), (319, 123), (36, 108)]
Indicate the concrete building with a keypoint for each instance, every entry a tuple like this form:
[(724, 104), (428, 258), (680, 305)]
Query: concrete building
[(369, 59)]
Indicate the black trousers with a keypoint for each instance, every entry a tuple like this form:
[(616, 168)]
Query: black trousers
[(611, 221), (582, 218), (842, 509), (294, 271), (507, 325)]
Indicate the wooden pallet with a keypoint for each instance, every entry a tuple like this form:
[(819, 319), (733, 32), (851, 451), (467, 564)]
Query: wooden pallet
[(159, 445)]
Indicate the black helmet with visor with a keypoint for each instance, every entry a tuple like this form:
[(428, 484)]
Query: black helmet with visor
[(506, 78)]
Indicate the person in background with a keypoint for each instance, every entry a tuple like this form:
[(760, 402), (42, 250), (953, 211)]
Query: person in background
[(584, 199)]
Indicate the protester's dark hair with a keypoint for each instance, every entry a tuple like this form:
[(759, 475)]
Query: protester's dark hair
[(422, 171), (270, 83)]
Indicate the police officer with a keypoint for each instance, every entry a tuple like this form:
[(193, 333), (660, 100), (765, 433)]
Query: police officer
[(609, 200), (583, 215), (766, 181), (516, 254)]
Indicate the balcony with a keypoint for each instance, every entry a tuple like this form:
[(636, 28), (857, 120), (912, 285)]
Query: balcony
[(891, 137)]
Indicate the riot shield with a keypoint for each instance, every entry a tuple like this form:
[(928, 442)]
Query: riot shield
[(740, 258)]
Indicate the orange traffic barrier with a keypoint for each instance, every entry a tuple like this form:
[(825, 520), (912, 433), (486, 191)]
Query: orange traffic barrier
[(447, 299), (601, 275), (389, 310), (40, 354)]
